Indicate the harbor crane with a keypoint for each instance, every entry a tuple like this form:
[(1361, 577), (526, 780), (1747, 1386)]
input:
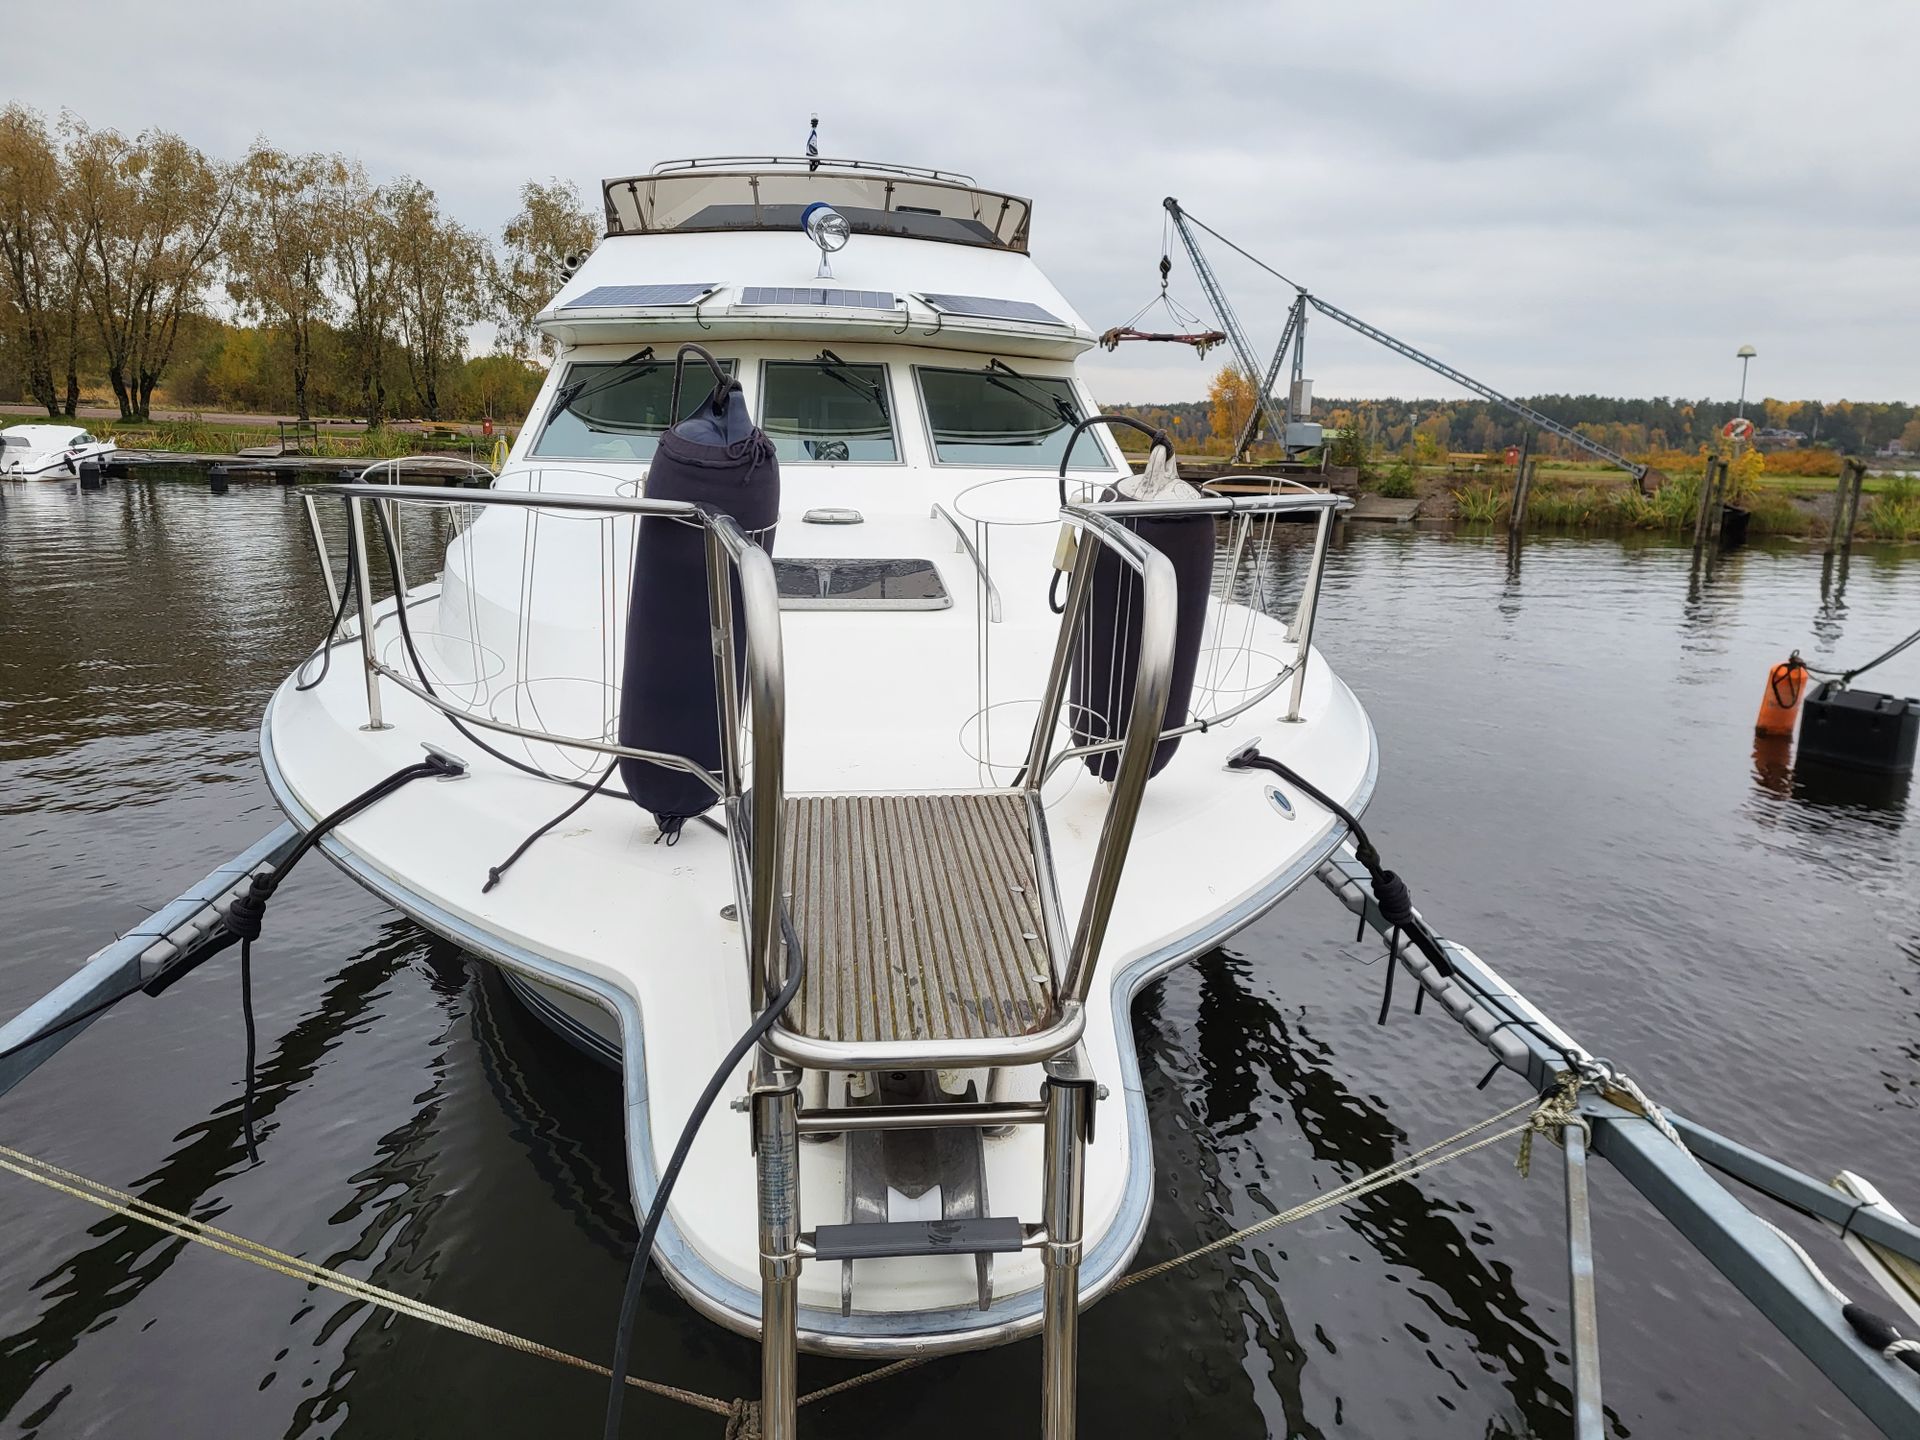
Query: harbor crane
[(1294, 337)]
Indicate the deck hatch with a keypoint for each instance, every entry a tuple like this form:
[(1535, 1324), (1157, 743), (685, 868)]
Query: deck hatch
[(989, 308), (847, 583), (817, 295), (617, 297)]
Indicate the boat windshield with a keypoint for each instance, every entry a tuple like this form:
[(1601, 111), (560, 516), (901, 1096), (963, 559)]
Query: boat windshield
[(998, 417), (828, 410), (618, 411), (880, 203)]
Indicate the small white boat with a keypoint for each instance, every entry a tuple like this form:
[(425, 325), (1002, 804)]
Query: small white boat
[(48, 452)]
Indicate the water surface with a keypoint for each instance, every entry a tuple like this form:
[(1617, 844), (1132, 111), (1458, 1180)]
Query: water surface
[(1568, 782)]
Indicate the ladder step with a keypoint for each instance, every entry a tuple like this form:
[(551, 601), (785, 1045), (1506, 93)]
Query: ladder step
[(992, 1235)]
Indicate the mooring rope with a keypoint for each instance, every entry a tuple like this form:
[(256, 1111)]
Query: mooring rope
[(241, 1248), (1549, 1113)]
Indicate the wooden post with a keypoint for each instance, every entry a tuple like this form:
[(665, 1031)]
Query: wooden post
[(1846, 505), (1717, 513), (1522, 482), (1703, 516)]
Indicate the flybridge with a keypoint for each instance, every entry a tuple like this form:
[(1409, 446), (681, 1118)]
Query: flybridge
[(734, 193)]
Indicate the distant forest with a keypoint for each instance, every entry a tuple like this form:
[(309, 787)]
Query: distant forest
[(141, 272), (1632, 427)]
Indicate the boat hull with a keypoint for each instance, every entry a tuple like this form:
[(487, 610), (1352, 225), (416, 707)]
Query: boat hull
[(605, 1019)]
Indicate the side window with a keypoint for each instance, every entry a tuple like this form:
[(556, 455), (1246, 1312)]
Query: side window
[(828, 410)]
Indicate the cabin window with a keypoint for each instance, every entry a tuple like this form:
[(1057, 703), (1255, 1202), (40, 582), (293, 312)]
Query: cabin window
[(1000, 417), (826, 410), (619, 409)]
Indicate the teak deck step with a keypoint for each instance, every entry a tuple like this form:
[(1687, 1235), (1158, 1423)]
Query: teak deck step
[(920, 916)]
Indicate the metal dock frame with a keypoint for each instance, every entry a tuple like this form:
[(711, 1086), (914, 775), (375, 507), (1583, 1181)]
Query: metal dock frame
[(1675, 1179), (157, 951)]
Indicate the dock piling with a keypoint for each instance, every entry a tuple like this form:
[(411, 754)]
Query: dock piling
[(1846, 506), (1522, 483)]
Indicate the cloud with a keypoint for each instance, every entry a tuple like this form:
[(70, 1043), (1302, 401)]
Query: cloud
[(1604, 199)]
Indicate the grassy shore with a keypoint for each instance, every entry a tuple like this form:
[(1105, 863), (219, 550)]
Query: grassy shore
[(211, 437)]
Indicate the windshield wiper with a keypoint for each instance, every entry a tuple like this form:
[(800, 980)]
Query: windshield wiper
[(580, 389), (1047, 403), (832, 364)]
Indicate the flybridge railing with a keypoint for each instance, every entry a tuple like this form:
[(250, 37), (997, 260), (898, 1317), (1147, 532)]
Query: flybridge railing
[(749, 687)]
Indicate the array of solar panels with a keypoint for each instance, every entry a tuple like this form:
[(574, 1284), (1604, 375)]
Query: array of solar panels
[(988, 308), (624, 297), (816, 295), (640, 297)]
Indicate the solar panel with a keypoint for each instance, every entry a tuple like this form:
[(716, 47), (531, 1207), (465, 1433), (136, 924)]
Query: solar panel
[(816, 295), (612, 297), (989, 308)]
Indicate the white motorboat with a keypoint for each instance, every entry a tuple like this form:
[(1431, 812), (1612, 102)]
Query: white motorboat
[(49, 452), (933, 820)]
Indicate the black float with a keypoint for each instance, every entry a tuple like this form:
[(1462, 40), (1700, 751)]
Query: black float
[(719, 460), (1859, 729), (1101, 683)]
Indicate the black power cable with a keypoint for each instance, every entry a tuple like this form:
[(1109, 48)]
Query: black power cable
[(1396, 905), (656, 1212)]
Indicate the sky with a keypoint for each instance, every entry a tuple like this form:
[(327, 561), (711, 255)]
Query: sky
[(1552, 198)]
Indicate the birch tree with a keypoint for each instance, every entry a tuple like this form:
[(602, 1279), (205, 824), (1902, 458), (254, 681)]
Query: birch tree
[(37, 277), (154, 209), (443, 278), (552, 224), (359, 222), (277, 249)]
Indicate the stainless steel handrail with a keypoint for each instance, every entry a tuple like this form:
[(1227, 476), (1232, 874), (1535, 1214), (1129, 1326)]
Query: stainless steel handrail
[(522, 499), (1152, 682), (757, 844), (941, 512)]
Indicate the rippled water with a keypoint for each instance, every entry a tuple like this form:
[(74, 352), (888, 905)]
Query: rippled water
[(1568, 783)]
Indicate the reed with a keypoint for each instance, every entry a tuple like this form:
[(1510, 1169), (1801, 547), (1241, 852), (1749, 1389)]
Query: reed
[(1481, 504), (1896, 510), (1671, 507)]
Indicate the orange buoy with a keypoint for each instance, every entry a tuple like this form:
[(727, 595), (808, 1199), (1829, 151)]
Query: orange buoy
[(1780, 703)]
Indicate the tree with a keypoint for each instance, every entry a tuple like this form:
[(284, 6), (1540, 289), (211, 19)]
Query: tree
[(360, 229), (1231, 396), (153, 210), (38, 276), (443, 276), (277, 248), (552, 224)]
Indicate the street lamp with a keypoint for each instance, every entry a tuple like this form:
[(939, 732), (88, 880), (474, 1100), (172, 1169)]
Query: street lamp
[(1745, 356)]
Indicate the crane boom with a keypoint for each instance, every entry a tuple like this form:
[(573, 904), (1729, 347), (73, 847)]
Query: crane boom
[(1487, 392), (1229, 322)]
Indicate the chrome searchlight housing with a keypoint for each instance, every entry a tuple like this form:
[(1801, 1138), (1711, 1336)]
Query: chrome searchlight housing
[(828, 229)]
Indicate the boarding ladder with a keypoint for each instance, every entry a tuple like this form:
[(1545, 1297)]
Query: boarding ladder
[(935, 939)]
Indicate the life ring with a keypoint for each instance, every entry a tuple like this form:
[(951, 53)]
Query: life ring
[(1738, 428)]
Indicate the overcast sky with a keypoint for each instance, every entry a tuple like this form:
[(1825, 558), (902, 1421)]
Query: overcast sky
[(1606, 198)]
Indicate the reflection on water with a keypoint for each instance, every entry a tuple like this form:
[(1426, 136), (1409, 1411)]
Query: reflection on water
[(1569, 781)]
